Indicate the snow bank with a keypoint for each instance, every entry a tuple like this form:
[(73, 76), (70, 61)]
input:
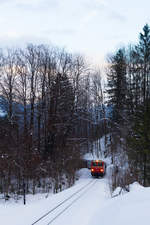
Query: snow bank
[(15, 213), (84, 173), (130, 208), (94, 208)]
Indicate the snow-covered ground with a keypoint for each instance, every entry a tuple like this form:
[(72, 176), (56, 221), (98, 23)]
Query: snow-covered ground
[(94, 206), (83, 209), (130, 208)]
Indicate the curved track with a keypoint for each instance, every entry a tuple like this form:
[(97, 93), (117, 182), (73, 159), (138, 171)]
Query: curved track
[(59, 209)]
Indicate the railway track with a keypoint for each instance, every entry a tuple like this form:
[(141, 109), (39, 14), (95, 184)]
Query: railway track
[(60, 208)]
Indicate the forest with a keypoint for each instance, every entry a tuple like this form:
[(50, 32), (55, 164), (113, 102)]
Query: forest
[(57, 105), (53, 102), (128, 88)]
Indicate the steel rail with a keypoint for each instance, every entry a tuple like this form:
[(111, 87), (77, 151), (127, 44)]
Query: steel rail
[(68, 206), (61, 203)]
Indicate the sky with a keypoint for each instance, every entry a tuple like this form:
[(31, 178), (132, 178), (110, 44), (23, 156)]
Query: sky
[(93, 28)]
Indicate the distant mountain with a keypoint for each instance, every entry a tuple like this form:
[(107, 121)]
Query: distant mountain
[(17, 111), (2, 113), (17, 108), (3, 106)]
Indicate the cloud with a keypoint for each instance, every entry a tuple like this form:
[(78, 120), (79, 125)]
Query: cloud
[(101, 8), (36, 4), (98, 5), (60, 31), (12, 40), (117, 16), (89, 16), (30, 4)]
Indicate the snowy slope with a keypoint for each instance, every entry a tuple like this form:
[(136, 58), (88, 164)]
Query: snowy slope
[(94, 206), (83, 208), (130, 208)]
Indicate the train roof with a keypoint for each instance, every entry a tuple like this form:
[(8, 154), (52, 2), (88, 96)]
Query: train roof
[(97, 160)]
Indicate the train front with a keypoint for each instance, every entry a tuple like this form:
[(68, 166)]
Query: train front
[(98, 168)]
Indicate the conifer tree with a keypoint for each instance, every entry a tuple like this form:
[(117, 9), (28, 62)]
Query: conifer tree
[(116, 90), (138, 138)]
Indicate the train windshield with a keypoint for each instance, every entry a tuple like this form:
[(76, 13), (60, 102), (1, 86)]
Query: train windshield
[(97, 164)]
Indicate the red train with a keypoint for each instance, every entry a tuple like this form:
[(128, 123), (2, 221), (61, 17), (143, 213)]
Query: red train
[(98, 168)]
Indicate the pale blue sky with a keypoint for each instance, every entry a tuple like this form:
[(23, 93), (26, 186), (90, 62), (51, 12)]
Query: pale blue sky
[(91, 27)]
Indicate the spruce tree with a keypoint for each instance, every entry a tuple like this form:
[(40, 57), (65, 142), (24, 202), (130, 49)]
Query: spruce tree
[(144, 51), (116, 89), (139, 136)]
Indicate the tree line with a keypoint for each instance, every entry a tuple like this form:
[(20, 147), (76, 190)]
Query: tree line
[(53, 101), (128, 93)]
